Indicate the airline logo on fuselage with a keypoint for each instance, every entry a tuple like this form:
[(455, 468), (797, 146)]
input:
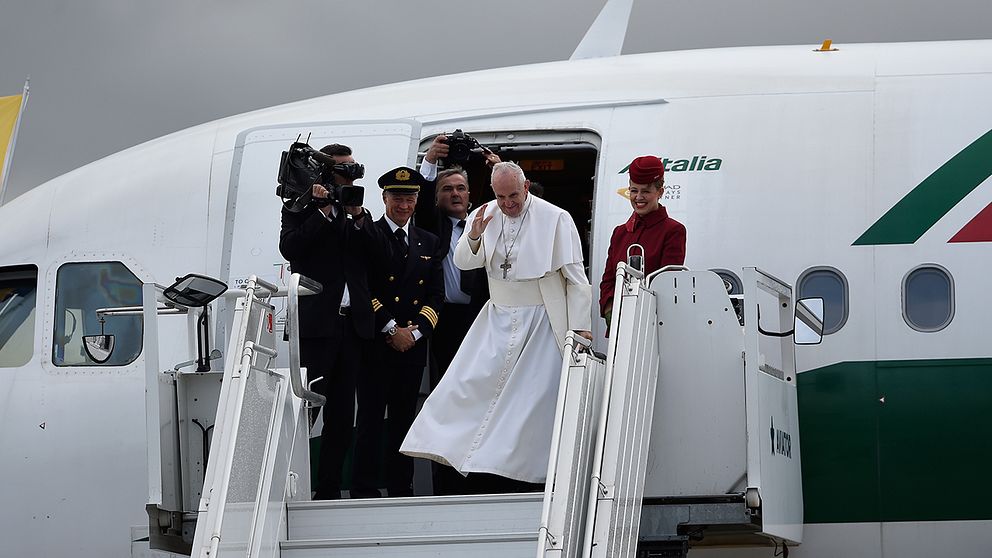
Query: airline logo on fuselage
[(691, 164)]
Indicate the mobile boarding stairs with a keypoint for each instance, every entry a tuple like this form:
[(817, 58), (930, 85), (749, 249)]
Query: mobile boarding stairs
[(686, 433)]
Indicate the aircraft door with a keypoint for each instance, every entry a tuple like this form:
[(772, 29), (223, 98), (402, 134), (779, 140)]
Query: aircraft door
[(251, 243)]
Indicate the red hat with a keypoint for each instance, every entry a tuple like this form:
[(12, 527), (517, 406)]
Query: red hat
[(646, 169)]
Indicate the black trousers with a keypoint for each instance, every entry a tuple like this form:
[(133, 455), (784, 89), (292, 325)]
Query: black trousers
[(448, 336), (393, 385), (339, 361)]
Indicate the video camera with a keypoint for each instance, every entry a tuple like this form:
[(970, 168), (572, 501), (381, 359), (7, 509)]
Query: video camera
[(461, 147), (302, 166)]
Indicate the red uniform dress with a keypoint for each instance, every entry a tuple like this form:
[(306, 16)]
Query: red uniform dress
[(662, 237)]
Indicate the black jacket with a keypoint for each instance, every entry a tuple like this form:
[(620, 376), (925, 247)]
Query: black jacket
[(333, 253), (430, 218), (410, 288)]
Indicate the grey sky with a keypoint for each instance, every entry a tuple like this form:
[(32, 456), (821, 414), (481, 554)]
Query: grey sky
[(109, 74)]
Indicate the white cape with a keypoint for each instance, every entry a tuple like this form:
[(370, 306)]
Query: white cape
[(493, 411)]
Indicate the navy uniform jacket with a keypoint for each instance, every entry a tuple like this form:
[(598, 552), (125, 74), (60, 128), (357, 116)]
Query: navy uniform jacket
[(410, 289), (332, 253)]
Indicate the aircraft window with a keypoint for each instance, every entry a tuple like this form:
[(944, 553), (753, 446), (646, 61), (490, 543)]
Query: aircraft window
[(830, 285), (731, 281), (81, 289), (928, 298), (18, 292)]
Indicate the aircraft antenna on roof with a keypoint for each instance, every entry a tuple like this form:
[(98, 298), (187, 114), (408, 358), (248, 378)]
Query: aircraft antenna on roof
[(606, 35)]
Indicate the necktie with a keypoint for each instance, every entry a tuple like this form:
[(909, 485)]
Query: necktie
[(401, 241), (466, 278)]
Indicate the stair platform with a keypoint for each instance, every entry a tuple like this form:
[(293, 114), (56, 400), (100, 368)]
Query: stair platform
[(411, 519)]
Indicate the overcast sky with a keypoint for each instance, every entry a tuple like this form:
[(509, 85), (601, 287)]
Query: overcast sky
[(109, 74)]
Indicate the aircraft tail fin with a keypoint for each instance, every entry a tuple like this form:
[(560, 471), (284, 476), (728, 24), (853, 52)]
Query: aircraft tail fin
[(11, 109), (606, 34)]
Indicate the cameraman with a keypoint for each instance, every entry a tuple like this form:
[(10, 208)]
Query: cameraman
[(334, 245)]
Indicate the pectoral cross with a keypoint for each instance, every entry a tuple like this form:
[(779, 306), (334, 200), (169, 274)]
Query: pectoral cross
[(505, 266)]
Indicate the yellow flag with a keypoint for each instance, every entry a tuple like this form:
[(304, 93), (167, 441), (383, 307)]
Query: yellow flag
[(10, 109)]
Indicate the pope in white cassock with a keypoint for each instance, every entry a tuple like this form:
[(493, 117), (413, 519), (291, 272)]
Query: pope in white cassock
[(493, 410)]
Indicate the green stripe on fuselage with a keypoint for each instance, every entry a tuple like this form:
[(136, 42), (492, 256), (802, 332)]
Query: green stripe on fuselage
[(924, 454), (931, 199)]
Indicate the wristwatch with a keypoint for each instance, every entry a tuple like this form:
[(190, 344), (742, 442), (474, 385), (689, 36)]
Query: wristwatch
[(391, 331)]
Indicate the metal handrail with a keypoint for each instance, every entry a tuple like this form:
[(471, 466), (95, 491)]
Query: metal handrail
[(635, 393), (657, 272), (595, 484), (245, 350), (298, 283), (574, 343)]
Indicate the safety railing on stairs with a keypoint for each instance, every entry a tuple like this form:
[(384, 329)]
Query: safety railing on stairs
[(566, 495), (261, 421), (592, 502), (616, 486)]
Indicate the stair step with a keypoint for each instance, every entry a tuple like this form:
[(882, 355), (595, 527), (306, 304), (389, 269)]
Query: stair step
[(414, 517), (503, 545)]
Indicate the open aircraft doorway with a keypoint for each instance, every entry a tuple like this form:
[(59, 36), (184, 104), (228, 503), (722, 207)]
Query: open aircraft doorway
[(563, 162)]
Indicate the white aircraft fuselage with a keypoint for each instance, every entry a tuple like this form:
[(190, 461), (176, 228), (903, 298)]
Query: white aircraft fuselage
[(870, 161)]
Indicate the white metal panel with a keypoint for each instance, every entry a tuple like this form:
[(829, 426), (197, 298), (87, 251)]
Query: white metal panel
[(922, 123), (698, 436), (505, 545), (802, 185), (774, 466), (150, 205), (254, 237), (425, 515)]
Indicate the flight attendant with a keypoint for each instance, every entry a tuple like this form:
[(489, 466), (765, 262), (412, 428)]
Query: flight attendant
[(662, 237)]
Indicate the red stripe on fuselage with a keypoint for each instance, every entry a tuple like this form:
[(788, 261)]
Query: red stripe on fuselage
[(979, 229)]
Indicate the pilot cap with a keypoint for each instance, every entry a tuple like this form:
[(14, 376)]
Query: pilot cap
[(402, 180), (646, 170)]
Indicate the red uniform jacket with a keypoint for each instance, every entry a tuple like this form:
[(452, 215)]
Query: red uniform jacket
[(662, 237)]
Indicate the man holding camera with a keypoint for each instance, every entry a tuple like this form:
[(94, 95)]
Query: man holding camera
[(408, 293), (333, 244)]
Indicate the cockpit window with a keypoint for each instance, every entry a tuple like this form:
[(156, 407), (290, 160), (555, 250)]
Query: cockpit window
[(18, 292), (80, 290)]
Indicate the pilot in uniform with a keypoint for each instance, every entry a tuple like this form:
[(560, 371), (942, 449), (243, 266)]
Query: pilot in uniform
[(406, 299)]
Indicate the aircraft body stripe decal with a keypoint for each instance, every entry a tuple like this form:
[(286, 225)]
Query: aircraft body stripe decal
[(931, 199), (896, 440), (979, 229)]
